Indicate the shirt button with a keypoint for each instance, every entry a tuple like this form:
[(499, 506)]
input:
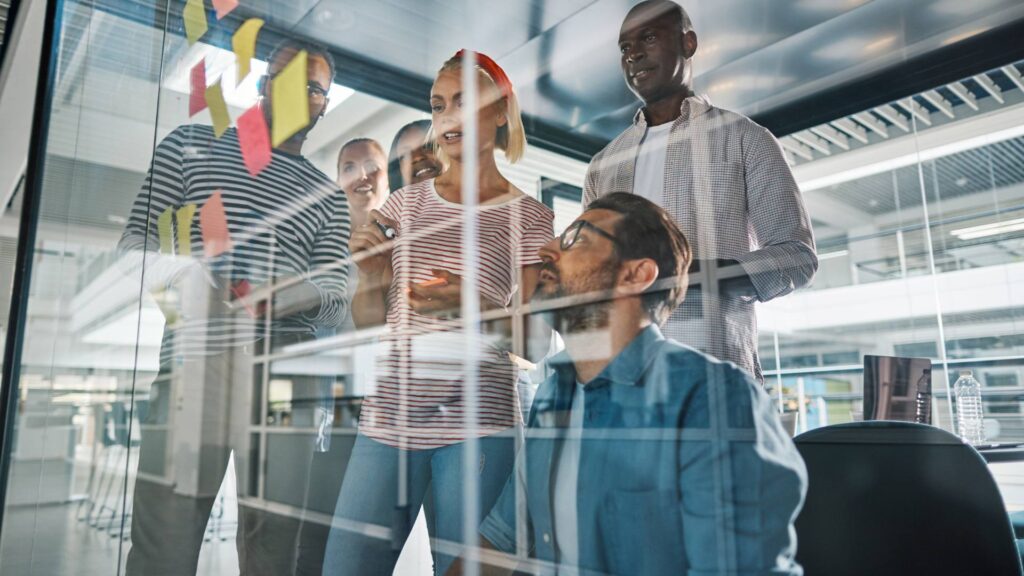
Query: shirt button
[(547, 538)]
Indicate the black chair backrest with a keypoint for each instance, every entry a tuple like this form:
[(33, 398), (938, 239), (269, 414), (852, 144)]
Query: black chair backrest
[(900, 498)]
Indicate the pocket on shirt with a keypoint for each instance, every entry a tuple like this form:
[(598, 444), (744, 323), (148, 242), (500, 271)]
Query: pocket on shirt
[(642, 532)]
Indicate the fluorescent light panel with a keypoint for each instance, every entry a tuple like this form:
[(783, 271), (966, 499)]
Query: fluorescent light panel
[(993, 229)]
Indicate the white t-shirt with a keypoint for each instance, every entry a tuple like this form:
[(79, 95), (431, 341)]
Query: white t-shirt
[(649, 176), (566, 478)]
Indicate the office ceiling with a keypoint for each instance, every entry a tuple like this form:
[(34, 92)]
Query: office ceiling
[(755, 56), (774, 60)]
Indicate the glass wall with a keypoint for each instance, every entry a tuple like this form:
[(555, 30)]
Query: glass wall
[(228, 358)]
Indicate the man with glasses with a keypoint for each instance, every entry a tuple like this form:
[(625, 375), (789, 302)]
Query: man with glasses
[(723, 179), (204, 234), (634, 463)]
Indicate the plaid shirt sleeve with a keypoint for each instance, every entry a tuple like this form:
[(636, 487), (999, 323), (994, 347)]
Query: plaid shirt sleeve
[(785, 259)]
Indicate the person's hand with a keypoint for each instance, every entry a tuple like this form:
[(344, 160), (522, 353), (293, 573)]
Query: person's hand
[(440, 297), (370, 249)]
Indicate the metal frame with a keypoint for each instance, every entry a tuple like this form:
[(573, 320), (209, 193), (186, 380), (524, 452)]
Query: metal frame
[(26, 244)]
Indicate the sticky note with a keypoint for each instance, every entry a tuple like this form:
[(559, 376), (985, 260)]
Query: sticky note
[(289, 99), (241, 290), (218, 109), (185, 215), (194, 15), (213, 224), (243, 43), (163, 226), (254, 140), (224, 7), (197, 95)]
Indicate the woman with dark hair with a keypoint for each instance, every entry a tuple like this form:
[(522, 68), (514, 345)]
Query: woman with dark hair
[(414, 430), (412, 159)]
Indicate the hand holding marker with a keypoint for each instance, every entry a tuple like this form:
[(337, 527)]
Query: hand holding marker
[(388, 231)]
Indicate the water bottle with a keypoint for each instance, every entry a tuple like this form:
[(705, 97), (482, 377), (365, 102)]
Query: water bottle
[(923, 413), (968, 408)]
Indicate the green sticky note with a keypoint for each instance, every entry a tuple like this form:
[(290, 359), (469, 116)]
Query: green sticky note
[(243, 43), (185, 215), (289, 99), (163, 226), (194, 15), (218, 109)]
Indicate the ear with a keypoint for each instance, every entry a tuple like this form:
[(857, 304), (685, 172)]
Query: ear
[(502, 110), (636, 276), (689, 44)]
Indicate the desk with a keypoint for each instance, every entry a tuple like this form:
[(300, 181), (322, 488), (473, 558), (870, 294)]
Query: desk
[(1009, 453)]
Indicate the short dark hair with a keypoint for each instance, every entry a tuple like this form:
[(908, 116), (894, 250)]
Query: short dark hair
[(311, 48), (647, 231), (394, 162), (673, 8)]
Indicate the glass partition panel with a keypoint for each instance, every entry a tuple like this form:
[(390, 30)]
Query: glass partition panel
[(315, 291)]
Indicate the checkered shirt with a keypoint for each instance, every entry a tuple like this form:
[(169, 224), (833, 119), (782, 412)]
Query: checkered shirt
[(728, 186)]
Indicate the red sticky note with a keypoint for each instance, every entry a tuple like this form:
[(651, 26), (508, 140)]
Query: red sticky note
[(197, 96), (241, 290), (254, 139), (224, 7), (213, 223)]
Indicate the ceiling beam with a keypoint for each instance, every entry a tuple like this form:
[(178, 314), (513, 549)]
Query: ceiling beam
[(964, 95), (994, 91)]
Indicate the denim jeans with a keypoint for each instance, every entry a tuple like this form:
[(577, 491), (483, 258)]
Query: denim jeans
[(370, 525)]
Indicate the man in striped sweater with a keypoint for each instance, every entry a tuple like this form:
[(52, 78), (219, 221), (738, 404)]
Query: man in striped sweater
[(203, 233)]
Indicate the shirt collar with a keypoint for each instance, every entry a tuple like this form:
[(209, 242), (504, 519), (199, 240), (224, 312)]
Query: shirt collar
[(691, 108), (625, 369)]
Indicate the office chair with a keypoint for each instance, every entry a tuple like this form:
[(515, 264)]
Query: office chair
[(900, 498)]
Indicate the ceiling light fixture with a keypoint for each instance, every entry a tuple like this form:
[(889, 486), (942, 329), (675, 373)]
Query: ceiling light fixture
[(993, 229)]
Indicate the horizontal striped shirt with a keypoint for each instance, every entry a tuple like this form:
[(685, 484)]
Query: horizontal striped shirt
[(419, 400), (289, 221)]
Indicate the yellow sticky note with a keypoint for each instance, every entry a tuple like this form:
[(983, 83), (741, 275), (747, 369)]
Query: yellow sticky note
[(163, 227), (195, 20), (185, 215), (289, 99), (218, 109), (244, 45)]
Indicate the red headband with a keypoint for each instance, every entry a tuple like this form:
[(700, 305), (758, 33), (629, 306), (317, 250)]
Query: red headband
[(493, 70)]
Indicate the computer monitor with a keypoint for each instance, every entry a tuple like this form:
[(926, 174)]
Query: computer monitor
[(898, 388)]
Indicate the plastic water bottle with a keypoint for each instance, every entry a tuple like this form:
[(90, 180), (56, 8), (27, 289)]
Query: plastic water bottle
[(968, 408), (923, 412)]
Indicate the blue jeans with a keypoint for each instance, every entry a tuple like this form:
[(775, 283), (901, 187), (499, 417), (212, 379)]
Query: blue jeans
[(370, 527)]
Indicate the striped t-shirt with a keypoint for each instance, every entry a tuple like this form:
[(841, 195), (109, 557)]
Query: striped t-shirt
[(419, 399), (289, 221)]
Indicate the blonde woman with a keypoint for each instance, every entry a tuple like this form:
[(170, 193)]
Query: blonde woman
[(413, 430)]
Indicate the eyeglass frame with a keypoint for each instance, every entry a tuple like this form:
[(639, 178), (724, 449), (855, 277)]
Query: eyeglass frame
[(578, 226), (313, 89)]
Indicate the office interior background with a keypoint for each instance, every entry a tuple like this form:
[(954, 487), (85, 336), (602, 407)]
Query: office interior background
[(903, 121)]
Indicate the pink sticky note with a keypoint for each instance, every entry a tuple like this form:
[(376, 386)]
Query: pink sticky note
[(224, 7), (254, 139), (197, 96), (213, 223)]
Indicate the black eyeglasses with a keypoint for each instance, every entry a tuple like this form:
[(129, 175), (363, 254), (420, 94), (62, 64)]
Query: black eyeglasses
[(572, 234), (315, 90)]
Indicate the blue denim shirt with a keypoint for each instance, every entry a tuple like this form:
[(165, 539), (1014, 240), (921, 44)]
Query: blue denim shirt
[(684, 468)]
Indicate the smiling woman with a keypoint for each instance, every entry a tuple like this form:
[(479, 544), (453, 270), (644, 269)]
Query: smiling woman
[(363, 177)]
